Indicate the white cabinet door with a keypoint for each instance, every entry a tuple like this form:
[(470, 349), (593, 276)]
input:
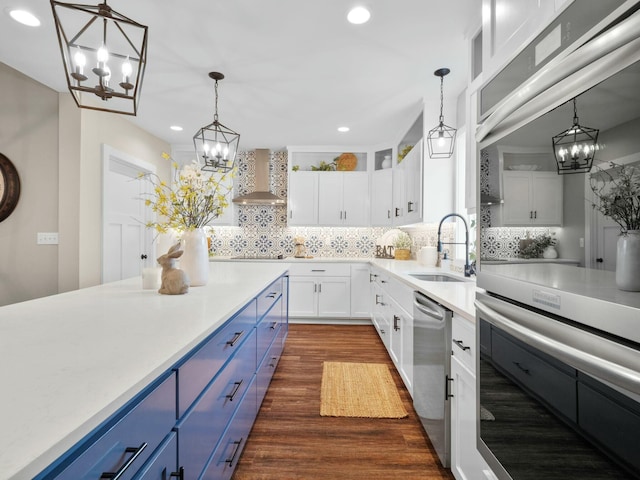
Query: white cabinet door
[(401, 342), (334, 297), (382, 198), (547, 199), (398, 195), (302, 297), (360, 291), (466, 462), (532, 198), (343, 198), (330, 188), (356, 199), (303, 198), (413, 198)]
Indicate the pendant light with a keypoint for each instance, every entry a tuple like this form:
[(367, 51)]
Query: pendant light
[(441, 138), (575, 148), (104, 55), (216, 144)]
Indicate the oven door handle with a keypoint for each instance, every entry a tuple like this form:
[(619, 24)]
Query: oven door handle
[(606, 359)]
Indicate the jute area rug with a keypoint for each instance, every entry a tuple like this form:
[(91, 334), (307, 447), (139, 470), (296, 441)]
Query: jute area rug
[(359, 390)]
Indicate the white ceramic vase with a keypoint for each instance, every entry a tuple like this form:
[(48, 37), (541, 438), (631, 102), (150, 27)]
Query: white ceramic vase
[(628, 261), (195, 259), (550, 252), (386, 163)]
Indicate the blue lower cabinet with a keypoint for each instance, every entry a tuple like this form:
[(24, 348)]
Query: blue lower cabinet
[(268, 366), (268, 327), (125, 446), (204, 424), (225, 458), (163, 465)]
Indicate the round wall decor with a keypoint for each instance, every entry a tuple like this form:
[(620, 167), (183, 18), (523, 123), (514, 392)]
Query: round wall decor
[(9, 187)]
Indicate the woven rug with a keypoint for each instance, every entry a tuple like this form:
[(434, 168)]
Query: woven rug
[(359, 390)]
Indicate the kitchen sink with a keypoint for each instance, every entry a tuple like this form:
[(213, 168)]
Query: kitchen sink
[(435, 277)]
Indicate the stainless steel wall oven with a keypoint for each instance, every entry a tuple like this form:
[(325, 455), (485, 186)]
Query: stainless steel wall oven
[(558, 378)]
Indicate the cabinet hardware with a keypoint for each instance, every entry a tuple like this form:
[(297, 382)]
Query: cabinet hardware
[(397, 212), (290, 213), (341, 215), (447, 395), (599, 260), (315, 288), (235, 452), (271, 295), (319, 288), (143, 257), (461, 344), (396, 319), (274, 325), (372, 277), (136, 451), (535, 214), (377, 301), (236, 387), (525, 370), (410, 207), (388, 213), (179, 474), (382, 331), (345, 214), (383, 281), (273, 362), (236, 336), (318, 270), (530, 214)]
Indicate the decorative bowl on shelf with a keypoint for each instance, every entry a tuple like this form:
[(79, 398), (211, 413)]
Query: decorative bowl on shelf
[(346, 162)]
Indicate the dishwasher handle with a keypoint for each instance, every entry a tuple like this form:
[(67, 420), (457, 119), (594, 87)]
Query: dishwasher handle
[(419, 304)]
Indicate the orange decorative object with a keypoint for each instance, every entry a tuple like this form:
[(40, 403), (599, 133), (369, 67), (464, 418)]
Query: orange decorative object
[(346, 162)]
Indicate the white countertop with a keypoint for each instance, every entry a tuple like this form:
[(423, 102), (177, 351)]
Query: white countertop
[(457, 296), (69, 361)]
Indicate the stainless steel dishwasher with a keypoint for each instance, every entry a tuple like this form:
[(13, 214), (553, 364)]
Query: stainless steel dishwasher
[(431, 371)]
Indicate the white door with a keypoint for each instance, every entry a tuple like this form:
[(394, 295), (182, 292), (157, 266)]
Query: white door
[(303, 300), (127, 245), (334, 297), (381, 197), (330, 198), (355, 203), (303, 198)]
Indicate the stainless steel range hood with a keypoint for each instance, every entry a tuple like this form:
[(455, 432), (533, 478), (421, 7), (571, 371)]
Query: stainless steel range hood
[(261, 195)]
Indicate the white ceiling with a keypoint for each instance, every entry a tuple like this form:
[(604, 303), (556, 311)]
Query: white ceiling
[(294, 70)]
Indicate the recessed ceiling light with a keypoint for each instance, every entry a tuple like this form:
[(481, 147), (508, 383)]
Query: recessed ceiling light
[(358, 15), (25, 18), (176, 128), (343, 129)]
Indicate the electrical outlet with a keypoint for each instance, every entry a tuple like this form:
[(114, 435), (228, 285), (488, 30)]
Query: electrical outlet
[(581, 242), (47, 238)]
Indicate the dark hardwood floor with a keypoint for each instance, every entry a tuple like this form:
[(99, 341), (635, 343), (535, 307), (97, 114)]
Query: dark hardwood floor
[(290, 440)]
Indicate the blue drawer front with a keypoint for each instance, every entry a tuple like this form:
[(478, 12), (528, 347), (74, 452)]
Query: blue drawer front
[(268, 328), (202, 366), (147, 423), (226, 456), (164, 461), (202, 426), (268, 297), (268, 366)]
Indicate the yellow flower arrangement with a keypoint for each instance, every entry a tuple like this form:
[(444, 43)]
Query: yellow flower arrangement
[(193, 200)]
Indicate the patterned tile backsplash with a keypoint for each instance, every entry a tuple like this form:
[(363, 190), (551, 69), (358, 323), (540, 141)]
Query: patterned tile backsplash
[(263, 230)]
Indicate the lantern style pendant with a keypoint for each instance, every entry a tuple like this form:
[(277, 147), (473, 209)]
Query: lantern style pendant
[(216, 144), (441, 139), (104, 55), (576, 147)]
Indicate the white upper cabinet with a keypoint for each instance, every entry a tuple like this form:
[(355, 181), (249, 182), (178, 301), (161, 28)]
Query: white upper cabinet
[(532, 198), (343, 198), (382, 198), (303, 198)]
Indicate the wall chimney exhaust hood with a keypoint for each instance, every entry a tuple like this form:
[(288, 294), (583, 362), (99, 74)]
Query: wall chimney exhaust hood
[(262, 194)]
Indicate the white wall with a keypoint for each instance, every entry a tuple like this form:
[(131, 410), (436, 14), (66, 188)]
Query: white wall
[(56, 148)]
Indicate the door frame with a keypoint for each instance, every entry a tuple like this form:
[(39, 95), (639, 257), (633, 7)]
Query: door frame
[(111, 155)]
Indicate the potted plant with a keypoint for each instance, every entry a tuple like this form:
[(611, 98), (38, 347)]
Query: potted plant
[(617, 196), (402, 246), (541, 246)]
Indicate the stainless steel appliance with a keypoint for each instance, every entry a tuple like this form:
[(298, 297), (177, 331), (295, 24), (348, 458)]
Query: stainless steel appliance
[(559, 363), (431, 371)]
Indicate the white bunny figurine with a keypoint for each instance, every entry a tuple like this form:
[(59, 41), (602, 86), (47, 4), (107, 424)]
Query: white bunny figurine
[(174, 280)]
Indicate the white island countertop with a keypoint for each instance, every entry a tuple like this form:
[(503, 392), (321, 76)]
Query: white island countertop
[(71, 360)]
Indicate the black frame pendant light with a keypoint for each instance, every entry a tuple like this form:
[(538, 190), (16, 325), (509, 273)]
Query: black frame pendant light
[(216, 144), (441, 139), (576, 147), (97, 43)]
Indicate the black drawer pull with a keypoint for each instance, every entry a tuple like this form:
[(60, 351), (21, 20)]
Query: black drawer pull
[(447, 395), (396, 319), (237, 336), (461, 344), (179, 474), (273, 362), (318, 270), (235, 452), (410, 207), (272, 295), (136, 451), (236, 387), (525, 370), (273, 325)]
